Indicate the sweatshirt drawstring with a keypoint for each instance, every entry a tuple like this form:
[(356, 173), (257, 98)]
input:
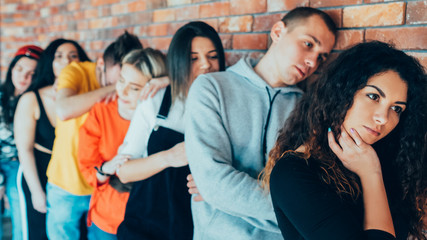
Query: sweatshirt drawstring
[(264, 145)]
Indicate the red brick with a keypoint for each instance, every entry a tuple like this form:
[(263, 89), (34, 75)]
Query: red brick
[(19, 15), (72, 35), (421, 57), (333, 3), (158, 30), (227, 40), (141, 31), (82, 25), (145, 43), (173, 27), (178, 2), (73, 6), (215, 9), (238, 7), (374, 15), (105, 11), (336, 15), (91, 13), (250, 41), (103, 2), (105, 34), (54, 10), (379, 1), (160, 43), (236, 24), (78, 14), (58, 18), (348, 38), (18, 24), (154, 4), (124, 20), (117, 9), (103, 22), (187, 13), (403, 38), (232, 57), (23, 7), (137, 6), (164, 15), (97, 45), (141, 17), (416, 13), (281, 5), (265, 22), (56, 2)]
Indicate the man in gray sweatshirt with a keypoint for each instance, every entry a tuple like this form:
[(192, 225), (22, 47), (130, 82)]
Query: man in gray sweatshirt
[(232, 121)]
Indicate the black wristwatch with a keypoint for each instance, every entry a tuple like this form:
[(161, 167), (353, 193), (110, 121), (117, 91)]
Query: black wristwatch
[(99, 170)]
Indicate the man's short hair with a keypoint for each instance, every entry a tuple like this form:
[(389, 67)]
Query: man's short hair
[(298, 15), (125, 43)]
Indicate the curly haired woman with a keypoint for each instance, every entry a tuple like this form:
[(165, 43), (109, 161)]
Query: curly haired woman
[(348, 163)]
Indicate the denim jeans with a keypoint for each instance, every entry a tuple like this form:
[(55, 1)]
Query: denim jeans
[(64, 211), (10, 171), (96, 233)]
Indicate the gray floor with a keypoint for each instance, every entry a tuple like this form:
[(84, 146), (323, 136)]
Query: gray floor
[(7, 229)]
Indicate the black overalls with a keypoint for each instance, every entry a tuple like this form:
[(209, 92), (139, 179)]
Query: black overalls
[(159, 207)]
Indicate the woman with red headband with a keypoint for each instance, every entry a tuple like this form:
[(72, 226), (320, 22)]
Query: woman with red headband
[(34, 128), (18, 79)]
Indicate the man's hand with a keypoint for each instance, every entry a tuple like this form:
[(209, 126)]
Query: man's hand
[(111, 95), (192, 189)]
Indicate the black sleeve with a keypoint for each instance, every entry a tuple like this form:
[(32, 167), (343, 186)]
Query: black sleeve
[(307, 209)]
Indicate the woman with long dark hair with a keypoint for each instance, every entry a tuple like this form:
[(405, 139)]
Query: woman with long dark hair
[(35, 131), (159, 204), (348, 163), (18, 79)]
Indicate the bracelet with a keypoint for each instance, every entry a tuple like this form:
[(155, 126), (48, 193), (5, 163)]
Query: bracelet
[(99, 170)]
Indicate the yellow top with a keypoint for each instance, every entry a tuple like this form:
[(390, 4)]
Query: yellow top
[(63, 170)]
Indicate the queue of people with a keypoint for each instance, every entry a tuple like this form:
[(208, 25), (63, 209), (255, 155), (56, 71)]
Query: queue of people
[(143, 145)]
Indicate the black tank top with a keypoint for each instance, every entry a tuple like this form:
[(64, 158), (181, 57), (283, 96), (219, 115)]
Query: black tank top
[(45, 132), (159, 207)]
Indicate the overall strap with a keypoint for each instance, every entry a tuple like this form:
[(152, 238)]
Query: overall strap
[(166, 104)]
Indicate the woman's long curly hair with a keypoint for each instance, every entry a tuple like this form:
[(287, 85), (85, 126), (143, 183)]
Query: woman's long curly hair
[(326, 105)]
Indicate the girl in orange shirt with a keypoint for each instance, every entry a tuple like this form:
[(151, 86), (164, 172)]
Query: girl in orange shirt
[(103, 133)]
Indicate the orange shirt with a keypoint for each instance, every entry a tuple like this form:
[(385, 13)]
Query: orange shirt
[(100, 137)]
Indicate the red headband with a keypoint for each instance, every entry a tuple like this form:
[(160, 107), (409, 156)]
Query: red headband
[(29, 50)]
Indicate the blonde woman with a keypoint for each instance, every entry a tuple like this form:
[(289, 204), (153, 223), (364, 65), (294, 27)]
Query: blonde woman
[(103, 133)]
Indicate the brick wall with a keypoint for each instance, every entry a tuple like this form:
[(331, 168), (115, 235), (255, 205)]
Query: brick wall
[(242, 24)]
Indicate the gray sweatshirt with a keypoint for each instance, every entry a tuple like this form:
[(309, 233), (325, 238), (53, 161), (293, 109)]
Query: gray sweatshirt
[(232, 122)]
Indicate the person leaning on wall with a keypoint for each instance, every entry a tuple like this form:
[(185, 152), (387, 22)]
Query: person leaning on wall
[(232, 121)]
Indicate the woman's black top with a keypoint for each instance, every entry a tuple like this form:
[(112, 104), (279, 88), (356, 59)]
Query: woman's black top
[(45, 132), (308, 208)]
